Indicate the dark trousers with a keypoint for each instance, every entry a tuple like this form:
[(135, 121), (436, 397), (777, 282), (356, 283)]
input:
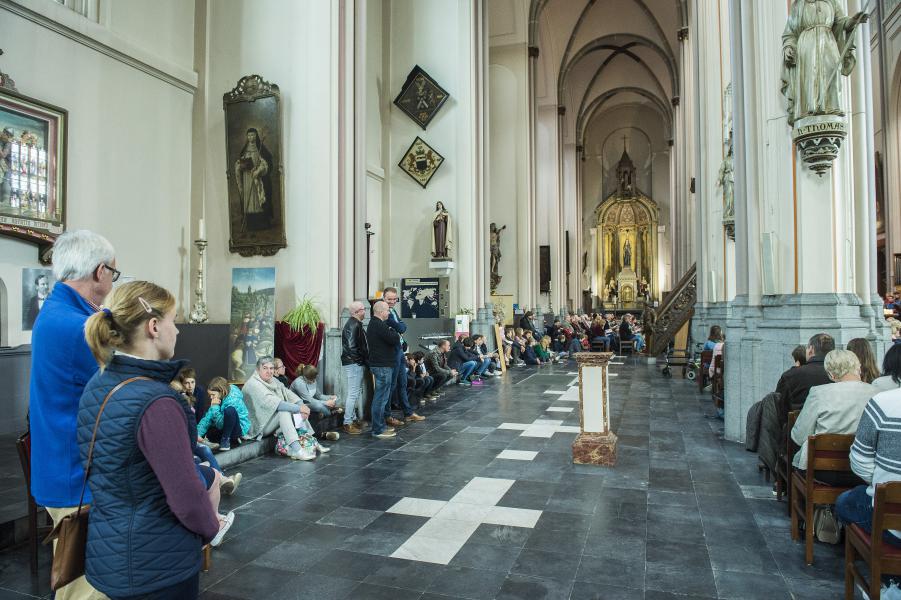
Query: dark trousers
[(400, 400), (189, 589), (439, 380), (231, 427)]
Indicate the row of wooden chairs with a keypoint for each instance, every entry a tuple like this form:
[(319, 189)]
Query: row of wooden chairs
[(831, 452)]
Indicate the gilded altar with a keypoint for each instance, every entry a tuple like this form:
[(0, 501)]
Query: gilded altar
[(627, 242)]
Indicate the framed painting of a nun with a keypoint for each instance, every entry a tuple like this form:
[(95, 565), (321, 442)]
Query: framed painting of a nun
[(253, 140)]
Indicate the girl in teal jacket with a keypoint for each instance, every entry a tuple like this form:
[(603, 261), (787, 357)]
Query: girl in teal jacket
[(227, 416)]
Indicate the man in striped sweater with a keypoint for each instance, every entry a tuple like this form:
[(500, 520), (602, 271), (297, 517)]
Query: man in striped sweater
[(876, 458)]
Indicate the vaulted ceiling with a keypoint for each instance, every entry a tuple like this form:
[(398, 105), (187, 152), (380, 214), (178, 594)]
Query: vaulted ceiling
[(597, 55)]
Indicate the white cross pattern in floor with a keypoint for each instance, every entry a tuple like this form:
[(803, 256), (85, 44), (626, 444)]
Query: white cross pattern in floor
[(452, 522), (543, 428)]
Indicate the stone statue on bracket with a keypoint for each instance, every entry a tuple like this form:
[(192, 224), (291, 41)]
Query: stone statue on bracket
[(495, 247), (442, 239), (817, 46), (726, 176)]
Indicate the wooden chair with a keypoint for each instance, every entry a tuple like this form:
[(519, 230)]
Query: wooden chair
[(627, 345), (703, 378), (23, 446), (718, 382), (882, 557), (825, 452), (782, 475)]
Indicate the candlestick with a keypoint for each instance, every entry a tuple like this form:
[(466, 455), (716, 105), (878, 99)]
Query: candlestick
[(198, 311)]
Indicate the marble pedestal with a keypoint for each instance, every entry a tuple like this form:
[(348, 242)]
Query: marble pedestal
[(595, 444)]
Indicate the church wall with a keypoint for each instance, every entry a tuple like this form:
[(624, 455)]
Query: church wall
[(508, 161), (377, 102), (436, 35), (294, 45), (546, 189), (129, 142)]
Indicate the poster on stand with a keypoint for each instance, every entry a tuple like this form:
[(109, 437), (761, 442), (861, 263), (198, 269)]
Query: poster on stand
[(419, 298), (36, 286), (252, 333)]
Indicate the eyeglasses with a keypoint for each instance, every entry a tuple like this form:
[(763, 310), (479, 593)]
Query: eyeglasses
[(116, 273)]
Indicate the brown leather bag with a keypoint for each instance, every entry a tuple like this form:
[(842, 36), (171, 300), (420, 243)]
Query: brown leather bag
[(71, 533)]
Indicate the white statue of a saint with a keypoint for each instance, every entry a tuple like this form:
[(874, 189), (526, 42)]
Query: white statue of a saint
[(816, 46)]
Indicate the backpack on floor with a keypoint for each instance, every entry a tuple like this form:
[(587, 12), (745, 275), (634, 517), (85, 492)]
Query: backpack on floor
[(826, 527)]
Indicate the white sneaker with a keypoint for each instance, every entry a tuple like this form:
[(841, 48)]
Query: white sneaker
[(224, 526), (230, 484), (323, 449)]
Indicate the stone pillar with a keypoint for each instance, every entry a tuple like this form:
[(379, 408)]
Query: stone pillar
[(797, 235), (483, 324), (596, 444)]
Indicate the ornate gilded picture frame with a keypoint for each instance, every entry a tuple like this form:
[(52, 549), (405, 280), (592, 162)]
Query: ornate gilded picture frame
[(253, 143), (32, 169), (421, 97), (420, 162)]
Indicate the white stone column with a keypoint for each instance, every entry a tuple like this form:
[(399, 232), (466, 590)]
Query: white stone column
[(796, 232)]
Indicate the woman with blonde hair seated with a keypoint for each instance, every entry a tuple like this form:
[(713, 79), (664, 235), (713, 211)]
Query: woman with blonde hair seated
[(150, 513), (833, 408)]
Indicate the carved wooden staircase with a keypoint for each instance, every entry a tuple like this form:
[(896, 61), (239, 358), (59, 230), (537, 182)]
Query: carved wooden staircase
[(676, 309)]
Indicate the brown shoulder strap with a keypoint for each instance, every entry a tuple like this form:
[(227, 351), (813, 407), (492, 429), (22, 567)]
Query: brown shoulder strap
[(87, 468)]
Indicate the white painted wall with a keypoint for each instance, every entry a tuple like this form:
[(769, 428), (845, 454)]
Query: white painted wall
[(129, 149), (294, 45)]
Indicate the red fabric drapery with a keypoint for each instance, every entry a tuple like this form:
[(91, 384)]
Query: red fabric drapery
[(297, 347)]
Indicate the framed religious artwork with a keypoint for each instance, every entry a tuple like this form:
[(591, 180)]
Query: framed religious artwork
[(32, 169), (253, 143), (420, 162), (421, 97), (252, 332)]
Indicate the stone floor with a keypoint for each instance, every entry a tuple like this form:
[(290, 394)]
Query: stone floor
[(483, 501)]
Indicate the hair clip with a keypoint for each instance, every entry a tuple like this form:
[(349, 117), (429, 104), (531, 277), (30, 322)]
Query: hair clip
[(146, 305), (107, 312)]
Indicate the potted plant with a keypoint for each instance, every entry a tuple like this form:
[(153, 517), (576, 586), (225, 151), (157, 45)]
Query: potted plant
[(299, 335)]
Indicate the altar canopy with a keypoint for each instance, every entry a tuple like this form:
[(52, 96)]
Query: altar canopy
[(627, 241)]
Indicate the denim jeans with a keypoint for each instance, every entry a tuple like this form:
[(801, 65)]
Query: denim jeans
[(466, 369), (400, 386), (206, 455), (318, 406), (384, 379), (856, 506), (486, 362), (353, 403)]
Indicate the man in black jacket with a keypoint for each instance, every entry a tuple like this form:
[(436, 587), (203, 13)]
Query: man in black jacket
[(383, 343), (436, 363), (464, 360), (795, 384), (354, 356)]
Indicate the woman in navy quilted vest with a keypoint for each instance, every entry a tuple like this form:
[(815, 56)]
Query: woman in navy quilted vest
[(150, 514)]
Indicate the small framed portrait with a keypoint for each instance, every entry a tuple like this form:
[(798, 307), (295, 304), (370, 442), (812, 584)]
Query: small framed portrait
[(36, 286), (253, 141), (32, 168)]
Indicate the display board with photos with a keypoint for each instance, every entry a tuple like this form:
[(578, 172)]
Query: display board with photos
[(420, 298)]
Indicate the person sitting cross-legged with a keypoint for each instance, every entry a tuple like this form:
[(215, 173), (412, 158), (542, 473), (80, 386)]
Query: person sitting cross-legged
[(227, 419)]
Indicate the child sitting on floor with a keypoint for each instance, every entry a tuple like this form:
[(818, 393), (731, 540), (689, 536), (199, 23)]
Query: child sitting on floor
[(227, 418)]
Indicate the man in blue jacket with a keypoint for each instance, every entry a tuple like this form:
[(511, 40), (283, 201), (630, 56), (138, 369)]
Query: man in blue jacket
[(389, 294), (84, 264)]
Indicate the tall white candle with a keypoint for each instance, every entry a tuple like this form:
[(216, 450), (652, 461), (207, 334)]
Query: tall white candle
[(202, 230)]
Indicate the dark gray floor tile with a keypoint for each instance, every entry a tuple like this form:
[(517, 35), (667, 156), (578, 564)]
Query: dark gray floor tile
[(501, 535), (406, 574), (592, 591), (549, 565), (487, 557), (254, 581), (680, 581), (312, 585), (522, 587), (464, 582), (346, 564), (750, 586), (552, 540), (379, 592), (612, 571)]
